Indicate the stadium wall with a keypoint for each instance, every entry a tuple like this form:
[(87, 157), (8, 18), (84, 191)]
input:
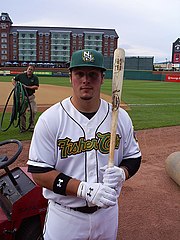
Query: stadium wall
[(139, 75), (169, 76)]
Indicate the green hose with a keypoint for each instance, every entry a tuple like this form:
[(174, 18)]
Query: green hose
[(20, 104)]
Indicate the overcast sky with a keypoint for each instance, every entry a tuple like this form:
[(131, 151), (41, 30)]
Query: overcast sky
[(145, 27)]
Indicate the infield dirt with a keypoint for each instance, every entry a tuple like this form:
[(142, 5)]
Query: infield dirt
[(46, 95)]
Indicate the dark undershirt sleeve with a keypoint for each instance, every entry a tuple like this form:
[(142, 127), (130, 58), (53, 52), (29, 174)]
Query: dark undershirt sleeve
[(35, 169), (131, 164)]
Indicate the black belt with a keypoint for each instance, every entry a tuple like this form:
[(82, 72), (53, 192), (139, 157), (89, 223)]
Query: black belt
[(85, 209)]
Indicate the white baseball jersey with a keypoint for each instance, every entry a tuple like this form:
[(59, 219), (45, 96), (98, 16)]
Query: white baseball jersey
[(65, 140)]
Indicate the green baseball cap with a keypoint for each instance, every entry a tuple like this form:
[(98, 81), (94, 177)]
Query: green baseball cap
[(87, 58)]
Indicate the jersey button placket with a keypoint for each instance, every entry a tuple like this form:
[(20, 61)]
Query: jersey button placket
[(91, 162)]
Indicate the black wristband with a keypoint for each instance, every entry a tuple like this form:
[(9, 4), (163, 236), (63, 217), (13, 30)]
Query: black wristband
[(60, 184)]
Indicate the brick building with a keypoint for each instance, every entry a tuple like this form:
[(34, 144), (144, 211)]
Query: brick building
[(51, 45)]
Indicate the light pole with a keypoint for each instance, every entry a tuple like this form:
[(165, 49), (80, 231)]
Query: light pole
[(166, 64)]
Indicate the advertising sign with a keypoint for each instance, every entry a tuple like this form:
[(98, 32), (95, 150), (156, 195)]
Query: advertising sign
[(172, 78)]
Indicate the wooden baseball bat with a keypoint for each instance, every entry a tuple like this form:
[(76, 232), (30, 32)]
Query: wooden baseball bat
[(117, 82)]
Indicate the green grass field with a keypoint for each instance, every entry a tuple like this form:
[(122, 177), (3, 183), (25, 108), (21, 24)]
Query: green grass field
[(152, 104)]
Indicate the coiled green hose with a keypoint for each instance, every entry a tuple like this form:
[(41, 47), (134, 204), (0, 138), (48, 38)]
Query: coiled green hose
[(20, 104)]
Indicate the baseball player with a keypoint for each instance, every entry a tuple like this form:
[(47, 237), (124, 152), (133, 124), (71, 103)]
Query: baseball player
[(69, 154)]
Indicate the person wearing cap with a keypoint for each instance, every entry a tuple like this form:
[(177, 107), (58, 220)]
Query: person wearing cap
[(68, 157), (30, 82)]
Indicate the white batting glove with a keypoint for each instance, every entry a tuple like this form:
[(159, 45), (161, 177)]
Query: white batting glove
[(113, 177), (97, 194)]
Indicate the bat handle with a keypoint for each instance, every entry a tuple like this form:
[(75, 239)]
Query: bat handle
[(112, 138), (110, 163)]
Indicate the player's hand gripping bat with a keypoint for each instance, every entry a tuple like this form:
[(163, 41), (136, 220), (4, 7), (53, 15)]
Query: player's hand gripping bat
[(117, 82)]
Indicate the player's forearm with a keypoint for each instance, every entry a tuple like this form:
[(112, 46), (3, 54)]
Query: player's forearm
[(34, 87), (47, 180), (72, 187)]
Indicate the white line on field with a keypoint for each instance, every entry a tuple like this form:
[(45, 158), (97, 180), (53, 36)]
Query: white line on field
[(153, 104)]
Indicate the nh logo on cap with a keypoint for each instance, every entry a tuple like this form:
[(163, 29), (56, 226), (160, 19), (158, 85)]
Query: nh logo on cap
[(88, 57)]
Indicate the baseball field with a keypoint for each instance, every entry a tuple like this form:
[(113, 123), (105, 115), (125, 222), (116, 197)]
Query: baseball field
[(149, 203)]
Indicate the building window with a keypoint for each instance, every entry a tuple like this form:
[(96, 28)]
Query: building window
[(177, 56), (3, 34), (3, 40), (65, 36), (3, 45), (3, 57), (4, 52), (80, 36), (3, 26)]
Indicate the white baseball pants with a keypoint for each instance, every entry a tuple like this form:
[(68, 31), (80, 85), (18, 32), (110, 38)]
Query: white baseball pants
[(63, 223)]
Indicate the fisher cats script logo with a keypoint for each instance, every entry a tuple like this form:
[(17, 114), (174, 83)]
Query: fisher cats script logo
[(88, 57), (100, 143)]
